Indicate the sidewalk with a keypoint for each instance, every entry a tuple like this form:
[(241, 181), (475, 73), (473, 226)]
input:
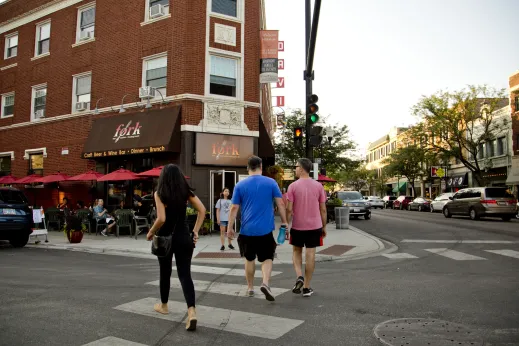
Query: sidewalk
[(338, 245)]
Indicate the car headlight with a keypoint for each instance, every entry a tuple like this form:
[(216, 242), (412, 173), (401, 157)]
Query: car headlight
[(346, 204)]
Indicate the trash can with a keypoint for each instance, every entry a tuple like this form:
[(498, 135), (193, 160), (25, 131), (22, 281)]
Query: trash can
[(342, 217)]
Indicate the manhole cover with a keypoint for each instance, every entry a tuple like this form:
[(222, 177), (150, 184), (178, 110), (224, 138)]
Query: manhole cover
[(427, 332)]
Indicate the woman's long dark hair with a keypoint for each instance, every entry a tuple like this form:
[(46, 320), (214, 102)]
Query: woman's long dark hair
[(173, 189)]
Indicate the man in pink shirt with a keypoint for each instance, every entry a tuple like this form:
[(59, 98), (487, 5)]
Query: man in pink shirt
[(307, 211)]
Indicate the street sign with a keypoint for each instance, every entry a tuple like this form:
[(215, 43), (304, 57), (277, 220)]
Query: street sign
[(438, 171)]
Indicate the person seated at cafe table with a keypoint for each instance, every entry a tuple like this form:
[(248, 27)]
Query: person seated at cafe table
[(63, 204), (102, 217), (80, 205), (140, 208)]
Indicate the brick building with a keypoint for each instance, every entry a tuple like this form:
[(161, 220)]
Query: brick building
[(70, 82), (513, 176)]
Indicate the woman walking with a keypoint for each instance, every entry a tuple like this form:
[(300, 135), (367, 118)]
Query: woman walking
[(171, 198), (223, 208)]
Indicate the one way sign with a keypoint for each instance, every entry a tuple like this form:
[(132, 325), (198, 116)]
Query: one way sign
[(281, 82)]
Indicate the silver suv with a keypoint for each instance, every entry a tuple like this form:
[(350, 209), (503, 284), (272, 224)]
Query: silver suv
[(479, 202), (355, 201)]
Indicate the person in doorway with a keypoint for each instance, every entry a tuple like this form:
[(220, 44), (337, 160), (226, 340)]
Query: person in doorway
[(223, 208), (171, 199), (254, 196), (103, 218), (307, 205)]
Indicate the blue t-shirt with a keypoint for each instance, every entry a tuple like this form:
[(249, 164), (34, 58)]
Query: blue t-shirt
[(255, 196)]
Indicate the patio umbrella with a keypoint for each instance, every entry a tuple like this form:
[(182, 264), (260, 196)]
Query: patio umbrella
[(325, 179), (118, 175), (53, 178), (28, 179), (87, 176), (154, 172), (8, 179)]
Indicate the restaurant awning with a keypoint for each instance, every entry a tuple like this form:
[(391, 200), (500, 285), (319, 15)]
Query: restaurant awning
[(457, 181), (137, 133), (400, 188)]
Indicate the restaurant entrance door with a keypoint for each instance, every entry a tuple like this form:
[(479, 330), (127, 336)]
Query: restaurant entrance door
[(219, 180)]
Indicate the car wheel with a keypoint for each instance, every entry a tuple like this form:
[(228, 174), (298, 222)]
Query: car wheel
[(419, 208), (367, 216), (409, 207), (507, 218), (401, 207), (19, 241), (447, 213), (473, 214)]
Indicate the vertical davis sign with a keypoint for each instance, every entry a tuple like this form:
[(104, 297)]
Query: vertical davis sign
[(269, 56)]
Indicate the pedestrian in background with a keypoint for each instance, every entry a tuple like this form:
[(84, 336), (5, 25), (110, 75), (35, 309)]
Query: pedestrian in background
[(171, 199), (223, 208), (307, 211), (254, 196)]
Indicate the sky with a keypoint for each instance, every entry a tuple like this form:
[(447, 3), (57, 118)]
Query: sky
[(374, 59)]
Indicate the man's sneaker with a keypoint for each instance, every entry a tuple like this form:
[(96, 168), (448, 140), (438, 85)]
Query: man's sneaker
[(222, 248), (104, 233), (267, 292), (231, 247), (299, 283), (307, 292), (250, 293)]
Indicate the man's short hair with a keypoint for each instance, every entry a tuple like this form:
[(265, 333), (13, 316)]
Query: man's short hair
[(305, 164), (254, 163)]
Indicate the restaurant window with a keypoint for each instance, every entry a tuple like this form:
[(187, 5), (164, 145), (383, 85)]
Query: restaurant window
[(11, 46), (42, 39), (86, 21), (39, 101), (223, 76), (36, 163), (5, 165), (226, 7), (156, 9), (7, 105), (500, 150), (81, 88), (155, 72)]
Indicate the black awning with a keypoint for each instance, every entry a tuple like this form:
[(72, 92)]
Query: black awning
[(457, 180), (137, 133), (265, 147)]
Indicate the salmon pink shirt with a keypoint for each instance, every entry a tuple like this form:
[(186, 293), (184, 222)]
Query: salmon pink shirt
[(305, 195)]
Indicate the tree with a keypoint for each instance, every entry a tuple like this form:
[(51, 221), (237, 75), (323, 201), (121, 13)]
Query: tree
[(458, 124), (380, 182), (355, 179), (406, 162), (333, 156)]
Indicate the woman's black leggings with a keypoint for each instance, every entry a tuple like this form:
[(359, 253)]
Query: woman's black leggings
[(183, 252)]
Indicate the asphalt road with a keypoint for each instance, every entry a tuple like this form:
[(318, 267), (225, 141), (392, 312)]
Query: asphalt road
[(56, 297)]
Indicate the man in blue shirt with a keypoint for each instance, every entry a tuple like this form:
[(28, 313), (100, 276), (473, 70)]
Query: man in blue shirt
[(254, 196)]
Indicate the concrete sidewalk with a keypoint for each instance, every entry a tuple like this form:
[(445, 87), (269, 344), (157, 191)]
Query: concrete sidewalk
[(341, 244)]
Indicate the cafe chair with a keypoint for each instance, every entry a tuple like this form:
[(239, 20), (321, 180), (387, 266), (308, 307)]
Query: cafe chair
[(141, 222), (52, 215), (84, 216), (123, 219)]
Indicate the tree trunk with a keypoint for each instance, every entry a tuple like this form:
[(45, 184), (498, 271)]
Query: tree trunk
[(478, 175), (412, 187)]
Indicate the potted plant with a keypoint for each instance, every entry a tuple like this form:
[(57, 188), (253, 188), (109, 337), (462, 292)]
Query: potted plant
[(207, 225), (74, 229)]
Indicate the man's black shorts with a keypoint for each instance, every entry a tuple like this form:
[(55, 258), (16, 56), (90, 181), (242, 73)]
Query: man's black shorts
[(308, 239), (263, 246)]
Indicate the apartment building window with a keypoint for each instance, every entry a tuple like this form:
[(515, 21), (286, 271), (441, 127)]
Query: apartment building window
[(500, 150), (223, 76), (39, 101), (226, 7), (42, 39), (481, 151), (86, 23), (156, 9), (81, 89), (5, 165), (36, 163), (517, 103), (490, 145), (11, 46), (7, 105), (155, 72)]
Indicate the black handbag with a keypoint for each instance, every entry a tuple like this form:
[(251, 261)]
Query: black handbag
[(161, 245)]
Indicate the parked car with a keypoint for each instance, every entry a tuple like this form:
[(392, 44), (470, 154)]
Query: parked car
[(402, 202), (354, 200), (16, 221), (480, 202), (420, 204), (376, 202), (439, 202), (388, 201)]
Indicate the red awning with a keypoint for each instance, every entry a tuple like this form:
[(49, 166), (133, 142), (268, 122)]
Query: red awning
[(53, 178), (87, 176), (28, 179), (8, 179), (119, 175), (325, 179), (154, 172)]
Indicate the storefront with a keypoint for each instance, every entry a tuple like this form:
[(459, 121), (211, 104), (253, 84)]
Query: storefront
[(457, 182), (496, 176)]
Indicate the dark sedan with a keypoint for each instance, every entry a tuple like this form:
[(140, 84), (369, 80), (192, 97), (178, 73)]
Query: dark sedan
[(420, 204), (15, 217)]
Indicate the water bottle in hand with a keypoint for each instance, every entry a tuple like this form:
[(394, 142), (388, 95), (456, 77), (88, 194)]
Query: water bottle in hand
[(281, 234)]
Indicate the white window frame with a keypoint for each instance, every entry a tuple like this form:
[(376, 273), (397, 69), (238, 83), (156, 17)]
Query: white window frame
[(80, 10), (147, 18), (33, 96), (238, 18), (145, 60), (7, 38), (37, 37), (4, 96), (28, 152), (239, 91), (74, 89)]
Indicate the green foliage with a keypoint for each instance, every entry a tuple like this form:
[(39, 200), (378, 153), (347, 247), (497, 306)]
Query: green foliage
[(73, 224), (406, 162), (355, 179), (190, 211), (335, 202), (276, 172)]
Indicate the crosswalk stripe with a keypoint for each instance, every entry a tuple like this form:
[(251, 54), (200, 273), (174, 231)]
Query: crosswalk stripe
[(222, 288), (251, 324), (508, 253), (113, 341), (455, 255), (459, 241), (399, 255), (224, 271)]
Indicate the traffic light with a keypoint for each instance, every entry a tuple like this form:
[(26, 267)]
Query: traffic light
[(298, 137), (313, 108), (316, 135)]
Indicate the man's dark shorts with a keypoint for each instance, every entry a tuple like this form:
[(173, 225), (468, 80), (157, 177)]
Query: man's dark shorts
[(263, 246), (308, 239)]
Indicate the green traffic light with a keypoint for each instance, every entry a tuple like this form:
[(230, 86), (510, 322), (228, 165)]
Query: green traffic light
[(314, 118)]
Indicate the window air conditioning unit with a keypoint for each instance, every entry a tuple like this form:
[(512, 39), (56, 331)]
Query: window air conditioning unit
[(85, 35), (147, 92), (81, 106), (157, 11), (39, 114)]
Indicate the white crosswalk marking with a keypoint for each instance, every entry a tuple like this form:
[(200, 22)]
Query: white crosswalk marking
[(459, 241), (508, 253), (455, 255), (399, 255), (223, 288), (113, 341), (250, 324), (224, 271)]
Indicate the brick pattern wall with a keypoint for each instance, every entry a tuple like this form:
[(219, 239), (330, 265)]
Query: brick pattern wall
[(14, 8)]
